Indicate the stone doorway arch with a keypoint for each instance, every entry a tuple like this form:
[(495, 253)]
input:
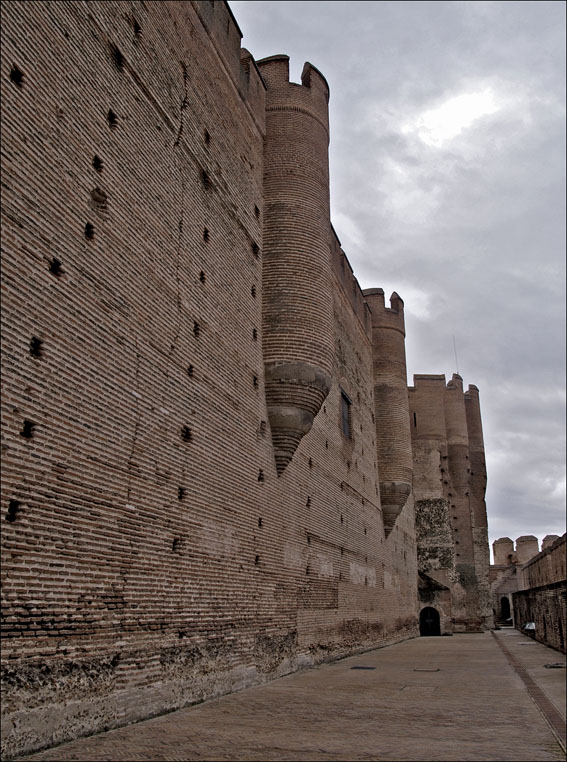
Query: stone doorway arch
[(429, 622), (505, 607)]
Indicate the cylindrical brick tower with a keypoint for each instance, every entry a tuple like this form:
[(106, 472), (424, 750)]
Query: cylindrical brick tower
[(527, 546), (297, 306), (477, 482), (503, 551), (391, 405), (458, 490)]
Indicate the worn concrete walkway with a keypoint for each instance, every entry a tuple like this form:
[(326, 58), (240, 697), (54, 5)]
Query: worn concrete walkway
[(475, 707)]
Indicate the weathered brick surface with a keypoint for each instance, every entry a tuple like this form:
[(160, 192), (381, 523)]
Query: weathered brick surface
[(543, 599), (152, 555), (449, 493)]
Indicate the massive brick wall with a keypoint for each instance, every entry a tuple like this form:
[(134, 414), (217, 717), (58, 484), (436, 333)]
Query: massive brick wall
[(152, 555), (542, 594), (449, 500)]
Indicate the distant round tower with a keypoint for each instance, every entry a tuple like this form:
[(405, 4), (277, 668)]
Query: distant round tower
[(297, 308), (391, 405), (503, 551), (548, 540), (527, 546)]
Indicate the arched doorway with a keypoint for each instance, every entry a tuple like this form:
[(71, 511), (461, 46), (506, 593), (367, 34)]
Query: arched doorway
[(429, 622), (505, 607)]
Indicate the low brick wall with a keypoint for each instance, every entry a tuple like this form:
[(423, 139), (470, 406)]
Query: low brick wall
[(547, 607)]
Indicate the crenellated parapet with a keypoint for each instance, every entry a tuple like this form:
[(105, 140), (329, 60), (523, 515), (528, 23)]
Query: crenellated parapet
[(393, 436), (225, 35), (297, 307)]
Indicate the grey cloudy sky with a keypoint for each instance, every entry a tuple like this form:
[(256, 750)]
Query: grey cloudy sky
[(448, 185)]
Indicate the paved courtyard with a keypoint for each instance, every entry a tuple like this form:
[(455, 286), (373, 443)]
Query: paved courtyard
[(448, 698)]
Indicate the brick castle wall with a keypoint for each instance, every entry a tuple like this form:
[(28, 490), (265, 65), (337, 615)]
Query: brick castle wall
[(153, 556)]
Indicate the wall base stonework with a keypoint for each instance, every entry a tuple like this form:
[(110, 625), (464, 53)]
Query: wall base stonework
[(546, 606)]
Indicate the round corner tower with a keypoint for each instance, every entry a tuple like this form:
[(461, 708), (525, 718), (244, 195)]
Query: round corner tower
[(391, 405), (297, 309), (503, 551)]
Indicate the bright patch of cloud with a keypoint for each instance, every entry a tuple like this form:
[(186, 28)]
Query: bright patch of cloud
[(436, 126)]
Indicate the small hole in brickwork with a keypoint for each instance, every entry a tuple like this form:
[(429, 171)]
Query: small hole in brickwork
[(27, 429), (112, 119), (324, 408), (256, 211), (259, 522), (253, 291), (55, 267), (181, 492), (257, 560), (308, 503), (137, 28), (457, 554), (456, 542), (36, 347), (17, 76), (255, 250), (99, 198), (310, 462), (206, 235), (260, 475), (365, 559), (117, 57), (364, 530), (366, 580), (181, 634), (308, 540), (205, 179), (307, 570), (190, 371), (254, 334), (186, 434), (262, 427), (89, 231), (348, 465), (327, 444), (207, 137), (342, 519), (97, 163), (13, 508), (175, 544), (196, 329), (202, 276), (449, 494), (255, 382)]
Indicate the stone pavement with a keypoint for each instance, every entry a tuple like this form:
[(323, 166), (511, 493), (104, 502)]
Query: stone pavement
[(454, 698)]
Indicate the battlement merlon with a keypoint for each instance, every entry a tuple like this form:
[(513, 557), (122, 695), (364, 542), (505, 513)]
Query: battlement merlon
[(456, 382), (225, 35), (382, 316), (311, 96)]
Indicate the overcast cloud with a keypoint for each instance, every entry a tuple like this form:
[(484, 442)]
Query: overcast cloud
[(448, 186)]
